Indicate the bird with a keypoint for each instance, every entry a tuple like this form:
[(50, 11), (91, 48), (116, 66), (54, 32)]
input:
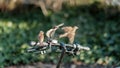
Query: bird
[(50, 33), (41, 37), (69, 32)]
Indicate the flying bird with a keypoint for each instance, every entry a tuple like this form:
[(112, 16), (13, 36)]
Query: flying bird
[(69, 32), (50, 33), (41, 37)]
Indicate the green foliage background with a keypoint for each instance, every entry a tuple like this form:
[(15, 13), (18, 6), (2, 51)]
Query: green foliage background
[(99, 29)]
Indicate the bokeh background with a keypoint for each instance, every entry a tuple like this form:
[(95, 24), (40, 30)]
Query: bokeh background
[(98, 22)]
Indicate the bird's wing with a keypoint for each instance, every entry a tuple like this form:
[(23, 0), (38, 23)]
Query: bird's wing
[(67, 28), (60, 25), (50, 33)]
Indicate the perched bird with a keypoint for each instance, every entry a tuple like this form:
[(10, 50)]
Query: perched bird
[(50, 33), (69, 32), (41, 37)]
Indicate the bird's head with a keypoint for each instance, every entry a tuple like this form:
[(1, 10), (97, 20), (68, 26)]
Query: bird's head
[(41, 32), (75, 27)]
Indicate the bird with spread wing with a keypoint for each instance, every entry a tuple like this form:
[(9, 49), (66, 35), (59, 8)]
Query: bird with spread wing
[(69, 32), (50, 33)]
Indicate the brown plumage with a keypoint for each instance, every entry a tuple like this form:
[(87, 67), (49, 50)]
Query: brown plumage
[(67, 28), (50, 33), (69, 32), (41, 37)]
